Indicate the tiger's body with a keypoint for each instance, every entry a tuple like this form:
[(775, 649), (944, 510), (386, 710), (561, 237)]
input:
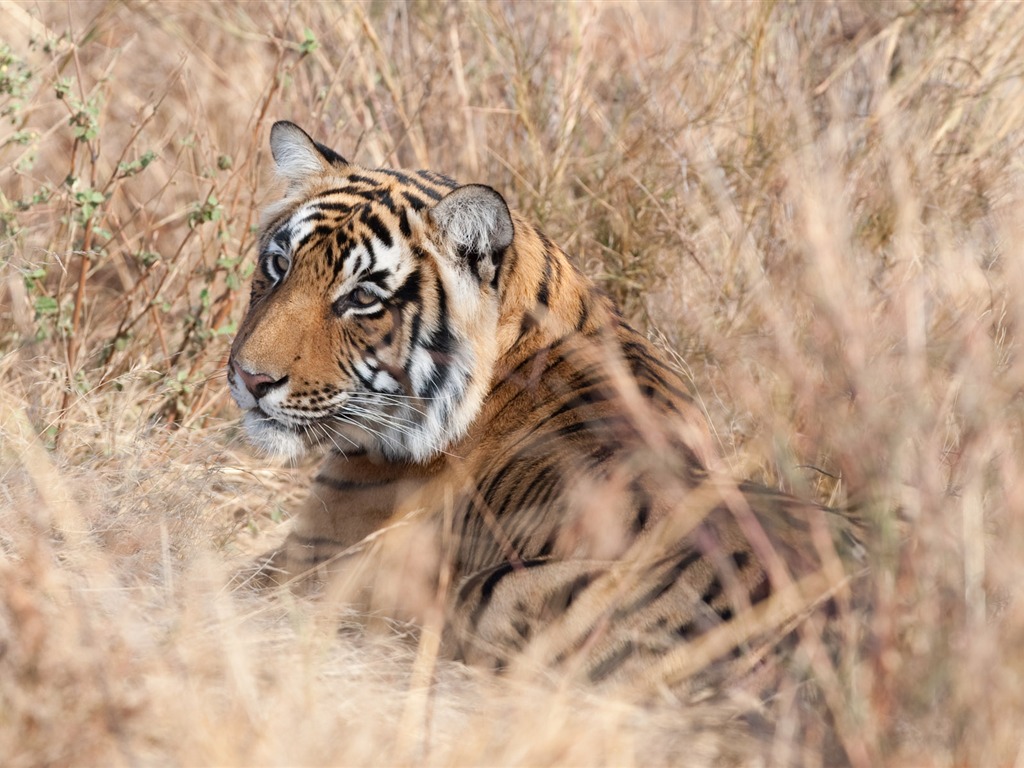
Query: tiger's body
[(454, 362)]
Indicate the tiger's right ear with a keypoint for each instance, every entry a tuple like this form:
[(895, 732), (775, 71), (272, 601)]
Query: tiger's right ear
[(297, 156), (476, 222)]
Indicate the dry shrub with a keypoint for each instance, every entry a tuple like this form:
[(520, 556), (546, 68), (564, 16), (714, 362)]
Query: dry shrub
[(815, 205)]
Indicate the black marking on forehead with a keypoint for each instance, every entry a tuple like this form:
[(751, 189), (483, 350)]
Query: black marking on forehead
[(403, 224), (334, 205), (378, 277), (380, 231), (344, 245), (335, 191), (319, 232), (415, 183), (283, 237), (439, 178), (365, 259), (384, 198), (410, 290), (372, 185), (414, 202), (309, 214)]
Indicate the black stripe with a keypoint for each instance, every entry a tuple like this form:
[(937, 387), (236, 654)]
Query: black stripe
[(415, 202), (643, 513), (321, 231), (687, 630), (612, 662), (384, 198), (713, 591), (313, 541), (376, 226), (486, 494), (348, 453), (591, 393), (378, 276), (533, 443), (566, 595), (339, 484), (282, 236), (584, 315), (490, 583), (409, 291), (338, 190), (325, 205), (442, 339), (527, 324), (664, 584), (357, 179), (522, 628), (441, 344), (532, 486), (760, 591), (438, 178), (417, 184), (544, 293), (636, 351), (342, 244)]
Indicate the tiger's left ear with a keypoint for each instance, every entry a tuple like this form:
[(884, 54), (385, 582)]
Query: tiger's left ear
[(476, 223), (297, 156)]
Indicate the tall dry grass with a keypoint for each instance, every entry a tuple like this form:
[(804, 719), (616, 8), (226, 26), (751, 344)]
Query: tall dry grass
[(817, 206)]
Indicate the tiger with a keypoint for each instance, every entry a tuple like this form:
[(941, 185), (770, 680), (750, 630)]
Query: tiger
[(459, 371)]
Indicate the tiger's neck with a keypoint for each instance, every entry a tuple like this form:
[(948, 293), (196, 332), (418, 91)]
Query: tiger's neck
[(544, 298)]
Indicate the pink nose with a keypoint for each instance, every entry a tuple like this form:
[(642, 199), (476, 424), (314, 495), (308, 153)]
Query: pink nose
[(258, 384)]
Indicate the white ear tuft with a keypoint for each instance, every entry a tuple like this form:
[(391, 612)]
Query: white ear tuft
[(476, 221), (297, 156)]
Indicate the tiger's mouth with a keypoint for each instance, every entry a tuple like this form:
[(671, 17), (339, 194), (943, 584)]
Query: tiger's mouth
[(257, 411), (290, 438), (274, 437), (397, 425), (264, 419)]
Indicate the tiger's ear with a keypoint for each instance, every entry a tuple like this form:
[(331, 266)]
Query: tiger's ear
[(476, 223), (297, 156)]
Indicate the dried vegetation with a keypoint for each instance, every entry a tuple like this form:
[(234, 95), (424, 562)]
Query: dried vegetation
[(817, 206)]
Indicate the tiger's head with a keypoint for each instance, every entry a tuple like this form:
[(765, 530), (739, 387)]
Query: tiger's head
[(374, 308)]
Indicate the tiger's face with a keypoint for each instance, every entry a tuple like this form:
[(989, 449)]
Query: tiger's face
[(371, 325)]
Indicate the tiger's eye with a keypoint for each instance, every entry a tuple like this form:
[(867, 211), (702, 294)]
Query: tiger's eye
[(361, 297), (281, 263), (276, 264), (357, 298)]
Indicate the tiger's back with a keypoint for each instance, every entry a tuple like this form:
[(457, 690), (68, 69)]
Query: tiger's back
[(454, 362)]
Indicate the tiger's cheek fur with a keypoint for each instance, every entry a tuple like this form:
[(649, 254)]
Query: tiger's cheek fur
[(379, 347), (473, 310), (285, 336)]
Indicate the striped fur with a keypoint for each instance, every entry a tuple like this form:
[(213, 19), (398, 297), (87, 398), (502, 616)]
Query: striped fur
[(451, 359)]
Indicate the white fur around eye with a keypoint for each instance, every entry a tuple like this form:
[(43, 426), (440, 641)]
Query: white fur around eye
[(275, 262)]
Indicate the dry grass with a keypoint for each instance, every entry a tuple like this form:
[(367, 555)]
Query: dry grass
[(817, 205)]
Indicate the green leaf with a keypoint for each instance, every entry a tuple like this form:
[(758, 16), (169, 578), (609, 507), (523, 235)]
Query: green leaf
[(309, 42), (46, 305)]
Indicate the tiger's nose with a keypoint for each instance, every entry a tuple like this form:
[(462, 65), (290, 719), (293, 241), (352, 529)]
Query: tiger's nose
[(258, 384)]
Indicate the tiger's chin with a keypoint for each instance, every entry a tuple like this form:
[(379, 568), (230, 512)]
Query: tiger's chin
[(273, 438)]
